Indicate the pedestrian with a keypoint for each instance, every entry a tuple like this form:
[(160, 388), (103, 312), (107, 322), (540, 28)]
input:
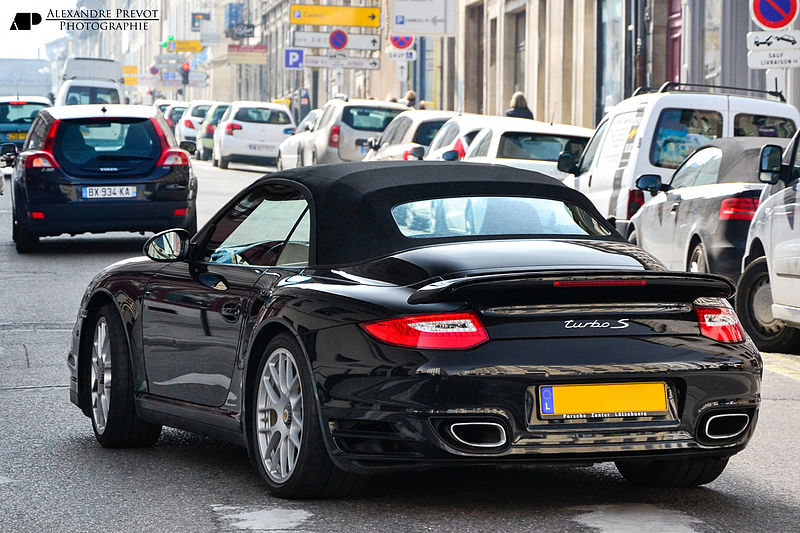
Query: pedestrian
[(519, 106), (411, 99), (391, 98)]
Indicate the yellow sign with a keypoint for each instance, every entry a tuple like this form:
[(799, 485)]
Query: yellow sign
[(188, 46), (131, 80), (130, 69), (285, 101), (334, 15)]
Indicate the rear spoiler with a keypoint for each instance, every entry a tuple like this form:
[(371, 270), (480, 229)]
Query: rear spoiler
[(577, 287)]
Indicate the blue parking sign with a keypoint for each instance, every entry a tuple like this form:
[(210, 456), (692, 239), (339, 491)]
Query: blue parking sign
[(293, 58), (399, 19)]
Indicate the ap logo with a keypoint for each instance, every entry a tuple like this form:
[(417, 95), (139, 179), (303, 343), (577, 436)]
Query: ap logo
[(25, 21)]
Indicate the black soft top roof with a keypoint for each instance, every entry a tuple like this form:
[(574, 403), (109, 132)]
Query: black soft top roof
[(352, 202)]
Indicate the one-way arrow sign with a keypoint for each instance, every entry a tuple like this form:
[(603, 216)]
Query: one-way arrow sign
[(358, 63)]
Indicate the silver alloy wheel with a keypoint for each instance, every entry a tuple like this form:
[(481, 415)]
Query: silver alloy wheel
[(280, 415), (762, 307), (101, 374), (697, 263)]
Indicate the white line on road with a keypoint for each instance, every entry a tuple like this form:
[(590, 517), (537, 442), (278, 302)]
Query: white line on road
[(275, 519), (5, 480), (635, 518), (787, 365)]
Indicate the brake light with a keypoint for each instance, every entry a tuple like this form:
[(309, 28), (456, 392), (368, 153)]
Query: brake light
[(38, 215), (446, 331), (333, 138), (719, 323), (459, 147), (160, 133), (170, 122), (601, 283), (18, 102), (41, 160), (230, 127), (738, 208), (188, 124), (635, 201), (180, 212), (173, 158), (209, 129)]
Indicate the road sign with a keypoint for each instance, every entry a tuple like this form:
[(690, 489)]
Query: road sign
[(338, 39), (242, 31), (130, 69), (773, 14), (401, 42), (402, 55), (167, 75), (162, 58), (402, 71), (197, 75), (335, 15), (759, 59), (423, 17), (773, 40), (321, 39), (154, 70), (197, 83), (358, 63), (185, 46), (250, 54), (293, 58)]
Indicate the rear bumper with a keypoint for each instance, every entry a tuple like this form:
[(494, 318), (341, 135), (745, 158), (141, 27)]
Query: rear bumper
[(238, 149)]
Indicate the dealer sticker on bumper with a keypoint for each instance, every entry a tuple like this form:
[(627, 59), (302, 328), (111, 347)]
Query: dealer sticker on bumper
[(615, 400)]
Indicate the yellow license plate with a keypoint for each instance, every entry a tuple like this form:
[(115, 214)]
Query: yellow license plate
[(16, 136), (613, 400)]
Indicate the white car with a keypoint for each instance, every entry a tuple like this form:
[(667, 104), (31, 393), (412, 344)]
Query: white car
[(408, 135), (527, 144), (288, 151), (250, 132), (162, 104), (456, 134), (186, 128)]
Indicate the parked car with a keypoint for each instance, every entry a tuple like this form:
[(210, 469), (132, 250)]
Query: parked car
[(524, 143), (205, 132), (16, 116), (250, 132), (162, 104), (90, 80), (187, 126), (485, 338), (456, 134), (98, 168), (343, 129), (653, 133), (408, 136), (173, 113), (698, 221), (288, 151), (768, 297)]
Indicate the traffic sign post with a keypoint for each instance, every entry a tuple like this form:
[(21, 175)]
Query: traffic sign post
[(320, 39), (357, 63), (773, 14), (422, 17), (773, 40), (773, 59), (293, 58), (335, 15)]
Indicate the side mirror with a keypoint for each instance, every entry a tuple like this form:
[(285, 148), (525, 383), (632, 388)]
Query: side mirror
[(769, 163), (168, 246), (650, 183), (566, 163), (288, 131), (8, 152), (189, 146), (450, 155), (417, 152)]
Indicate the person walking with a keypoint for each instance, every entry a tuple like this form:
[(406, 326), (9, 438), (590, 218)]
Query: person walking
[(519, 107), (411, 99)]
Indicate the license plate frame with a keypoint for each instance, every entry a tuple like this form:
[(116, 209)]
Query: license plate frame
[(109, 191), (603, 400)]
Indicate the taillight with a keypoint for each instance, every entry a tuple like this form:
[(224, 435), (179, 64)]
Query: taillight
[(333, 138), (17, 102), (447, 331), (635, 201), (41, 160), (209, 129), (230, 127), (188, 124), (173, 158), (37, 215), (738, 208), (180, 212), (719, 323), (601, 283), (459, 147), (406, 155)]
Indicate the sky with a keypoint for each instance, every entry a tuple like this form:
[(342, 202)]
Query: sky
[(26, 44)]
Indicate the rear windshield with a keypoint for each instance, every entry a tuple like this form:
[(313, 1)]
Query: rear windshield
[(176, 112), (749, 125), (19, 112), (680, 131), (427, 131), (369, 118), (493, 215), (200, 111), (262, 115), (78, 95), (218, 112), (93, 146), (523, 145)]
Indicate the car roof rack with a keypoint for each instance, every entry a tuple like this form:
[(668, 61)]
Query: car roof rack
[(675, 85)]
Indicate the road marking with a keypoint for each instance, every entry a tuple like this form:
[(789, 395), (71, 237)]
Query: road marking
[(786, 365), (5, 480), (635, 518), (275, 519)]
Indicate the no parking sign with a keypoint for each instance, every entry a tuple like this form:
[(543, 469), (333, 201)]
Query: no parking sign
[(773, 14)]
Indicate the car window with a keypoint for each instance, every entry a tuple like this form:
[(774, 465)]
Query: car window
[(493, 215), (749, 125), (227, 114), (262, 115), (709, 172), (36, 135), (470, 136), (200, 111), (79, 95), (296, 250), (253, 231), (445, 135), (426, 131), (176, 113), (680, 131), (536, 146), (390, 133), (591, 149), (307, 121), (218, 112), (369, 118), (689, 172), (620, 128), (482, 148)]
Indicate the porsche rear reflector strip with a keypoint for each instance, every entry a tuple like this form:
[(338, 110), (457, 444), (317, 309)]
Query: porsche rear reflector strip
[(601, 283)]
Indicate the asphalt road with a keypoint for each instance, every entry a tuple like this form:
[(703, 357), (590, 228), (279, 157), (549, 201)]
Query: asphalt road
[(55, 477)]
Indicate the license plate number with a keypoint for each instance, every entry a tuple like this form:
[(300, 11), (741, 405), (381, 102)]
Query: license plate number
[(109, 192), (259, 147), (614, 400), (16, 136)]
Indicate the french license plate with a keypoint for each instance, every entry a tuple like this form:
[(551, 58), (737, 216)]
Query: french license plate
[(613, 400), (109, 192), (258, 147), (16, 136)]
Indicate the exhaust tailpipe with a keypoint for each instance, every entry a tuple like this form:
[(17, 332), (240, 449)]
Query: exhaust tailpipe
[(726, 425), (479, 434)]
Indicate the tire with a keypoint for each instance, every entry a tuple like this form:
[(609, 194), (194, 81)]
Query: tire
[(26, 241), (205, 155), (112, 409), (223, 162), (273, 422), (633, 238), (753, 305), (698, 261), (672, 473), (214, 161)]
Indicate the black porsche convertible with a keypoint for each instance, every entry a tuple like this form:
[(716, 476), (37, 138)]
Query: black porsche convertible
[(343, 320)]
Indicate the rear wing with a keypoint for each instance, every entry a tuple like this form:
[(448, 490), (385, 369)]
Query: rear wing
[(577, 287)]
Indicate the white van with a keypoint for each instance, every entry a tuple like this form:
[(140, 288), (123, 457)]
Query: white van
[(90, 80), (653, 133)]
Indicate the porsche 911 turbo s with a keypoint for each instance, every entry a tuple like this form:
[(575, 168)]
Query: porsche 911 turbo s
[(311, 322)]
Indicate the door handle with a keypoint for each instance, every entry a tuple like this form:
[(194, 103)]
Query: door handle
[(674, 208), (231, 312)]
